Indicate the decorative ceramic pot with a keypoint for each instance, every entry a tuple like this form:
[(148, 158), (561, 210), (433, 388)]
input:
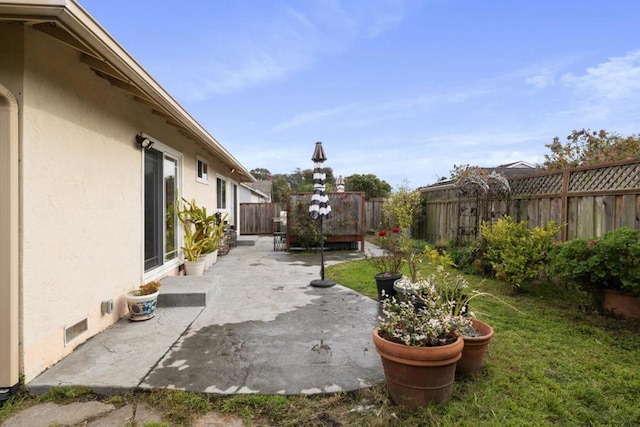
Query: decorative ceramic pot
[(194, 268), (142, 307), (475, 348), (384, 282), (418, 375), (214, 257), (622, 304)]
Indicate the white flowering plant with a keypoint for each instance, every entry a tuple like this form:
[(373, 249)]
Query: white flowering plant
[(421, 319), (452, 290)]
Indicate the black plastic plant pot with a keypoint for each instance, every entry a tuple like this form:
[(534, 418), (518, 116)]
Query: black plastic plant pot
[(384, 282)]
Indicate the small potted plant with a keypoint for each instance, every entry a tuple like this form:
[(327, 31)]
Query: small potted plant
[(608, 267), (453, 292), (419, 347), (216, 236), (389, 263), (142, 302), (197, 236)]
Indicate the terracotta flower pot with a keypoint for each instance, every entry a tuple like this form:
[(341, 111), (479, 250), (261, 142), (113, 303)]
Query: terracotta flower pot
[(418, 375), (474, 348), (622, 304)]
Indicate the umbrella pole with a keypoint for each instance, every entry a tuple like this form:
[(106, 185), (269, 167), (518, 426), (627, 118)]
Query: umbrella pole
[(321, 283), (321, 251)]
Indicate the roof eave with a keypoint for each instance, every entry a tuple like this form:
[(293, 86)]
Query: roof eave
[(118, 66)]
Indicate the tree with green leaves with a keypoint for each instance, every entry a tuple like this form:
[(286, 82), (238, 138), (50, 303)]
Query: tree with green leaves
[(371, 185), (260, 173), (586, 147), (403, 208), (280, 189)]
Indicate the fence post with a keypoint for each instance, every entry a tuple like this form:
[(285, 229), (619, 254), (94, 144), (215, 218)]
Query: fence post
[(564, 208)]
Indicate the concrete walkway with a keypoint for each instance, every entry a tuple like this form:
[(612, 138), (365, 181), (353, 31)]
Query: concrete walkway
[(263, 330)]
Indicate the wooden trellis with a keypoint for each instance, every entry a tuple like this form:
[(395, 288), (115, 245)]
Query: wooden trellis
[(481, 198)]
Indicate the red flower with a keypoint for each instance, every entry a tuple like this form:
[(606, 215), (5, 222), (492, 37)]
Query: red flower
[(382, 233), (396, 230), (591, 243)]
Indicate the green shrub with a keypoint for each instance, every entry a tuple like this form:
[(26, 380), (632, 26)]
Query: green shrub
[(469, 256), (519, 254), (303, 228), (611, 261)]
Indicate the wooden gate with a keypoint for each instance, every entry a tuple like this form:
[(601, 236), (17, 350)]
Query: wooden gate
[(257, 218)]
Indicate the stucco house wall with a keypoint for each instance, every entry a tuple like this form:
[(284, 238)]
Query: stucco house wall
[(81, 192)]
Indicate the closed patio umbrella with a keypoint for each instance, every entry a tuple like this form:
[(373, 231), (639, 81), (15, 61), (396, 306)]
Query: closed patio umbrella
[(319, 208)]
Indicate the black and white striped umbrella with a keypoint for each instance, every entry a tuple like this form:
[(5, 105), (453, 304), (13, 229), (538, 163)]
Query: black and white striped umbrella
[(319, 208)]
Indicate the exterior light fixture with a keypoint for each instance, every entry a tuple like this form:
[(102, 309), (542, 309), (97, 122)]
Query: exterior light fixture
[(340, 184), (144, 142)]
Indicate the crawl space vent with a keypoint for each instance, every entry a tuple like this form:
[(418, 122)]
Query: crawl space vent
[(74, 331)]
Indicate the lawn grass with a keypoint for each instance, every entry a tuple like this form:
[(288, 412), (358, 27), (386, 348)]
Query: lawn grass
[(550, 362)]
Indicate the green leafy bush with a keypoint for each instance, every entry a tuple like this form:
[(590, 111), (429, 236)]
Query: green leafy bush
[(611, 261), (303, 228), (469, 256), (519, 254)]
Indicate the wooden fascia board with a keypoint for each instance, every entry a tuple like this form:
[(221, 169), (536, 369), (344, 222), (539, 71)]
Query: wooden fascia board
[(64, 35), (163, 114), (104, 67), (151, 104), (132, 89)]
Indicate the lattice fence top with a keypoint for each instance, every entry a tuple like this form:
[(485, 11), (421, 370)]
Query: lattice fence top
[(624, 176), (606, 178), (540, 184)]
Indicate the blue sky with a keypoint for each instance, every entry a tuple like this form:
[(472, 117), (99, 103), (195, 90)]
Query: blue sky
[(403, 89)]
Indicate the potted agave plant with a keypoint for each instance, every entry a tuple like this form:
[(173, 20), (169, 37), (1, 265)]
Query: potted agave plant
[(197, 236), (142, 302)]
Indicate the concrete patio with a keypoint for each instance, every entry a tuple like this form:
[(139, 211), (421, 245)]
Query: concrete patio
[(251, 324)]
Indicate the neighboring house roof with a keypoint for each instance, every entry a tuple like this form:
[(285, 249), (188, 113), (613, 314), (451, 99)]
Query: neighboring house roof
[(514, 169), (517, 165), (263, 186), (508, 170), (249, 187), (68, 22)]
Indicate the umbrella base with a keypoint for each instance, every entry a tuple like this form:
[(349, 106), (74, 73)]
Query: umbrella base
[(319, 283)]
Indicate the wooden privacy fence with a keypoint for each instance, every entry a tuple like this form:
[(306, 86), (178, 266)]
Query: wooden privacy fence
[(345, 225), (590, 200), (373, 214), (257, 218)]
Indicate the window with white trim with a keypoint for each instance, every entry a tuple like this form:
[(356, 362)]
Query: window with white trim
[(162, 171), (202, 170), (221, 193)]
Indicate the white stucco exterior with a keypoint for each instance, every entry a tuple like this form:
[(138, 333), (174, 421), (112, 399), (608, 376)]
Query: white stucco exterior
[(81, 191)]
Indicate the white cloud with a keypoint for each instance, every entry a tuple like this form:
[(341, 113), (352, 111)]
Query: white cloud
[(313, 116), (291, 41), (542, 80), (613, 80)]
